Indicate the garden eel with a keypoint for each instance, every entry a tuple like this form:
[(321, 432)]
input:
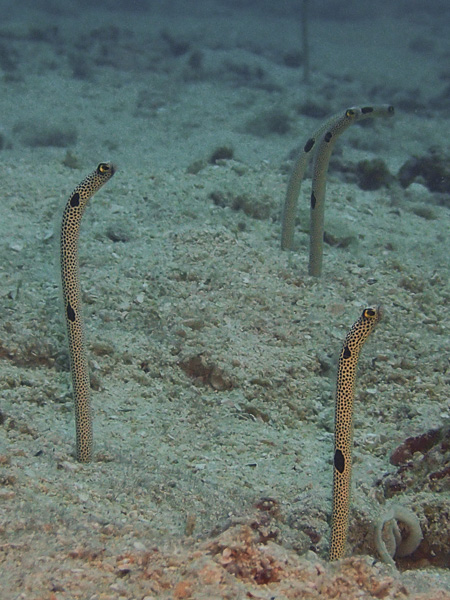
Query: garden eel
[(70, 276), (343, 428), (321, 144)]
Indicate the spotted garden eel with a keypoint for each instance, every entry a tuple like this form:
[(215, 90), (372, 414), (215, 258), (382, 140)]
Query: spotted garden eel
[(343, 428), (70, 276), (321, 146)]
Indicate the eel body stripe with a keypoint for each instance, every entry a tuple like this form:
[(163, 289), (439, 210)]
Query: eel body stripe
[(322, 142), (343, 429), (70, 230)]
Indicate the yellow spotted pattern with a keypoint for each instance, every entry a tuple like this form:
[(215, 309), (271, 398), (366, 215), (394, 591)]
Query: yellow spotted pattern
[(343, 429), (320, 144), (70, 275)]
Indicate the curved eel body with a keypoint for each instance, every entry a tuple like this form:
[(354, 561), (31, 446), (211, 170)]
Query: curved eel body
[(70, 276), (343, 430), (321, 145)]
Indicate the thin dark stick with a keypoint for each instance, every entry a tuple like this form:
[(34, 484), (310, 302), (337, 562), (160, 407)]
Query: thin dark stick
[(305, 41)]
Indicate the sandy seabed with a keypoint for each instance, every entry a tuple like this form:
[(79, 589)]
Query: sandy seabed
[(212, 352)]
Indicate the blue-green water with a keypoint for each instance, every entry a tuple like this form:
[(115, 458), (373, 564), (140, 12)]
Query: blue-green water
[(213, 353)]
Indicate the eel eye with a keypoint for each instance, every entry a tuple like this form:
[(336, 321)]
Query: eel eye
[(369, 313), (350, 112), (103, 168)]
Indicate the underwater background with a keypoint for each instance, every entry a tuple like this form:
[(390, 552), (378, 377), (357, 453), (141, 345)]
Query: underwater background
[(212, 352)]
